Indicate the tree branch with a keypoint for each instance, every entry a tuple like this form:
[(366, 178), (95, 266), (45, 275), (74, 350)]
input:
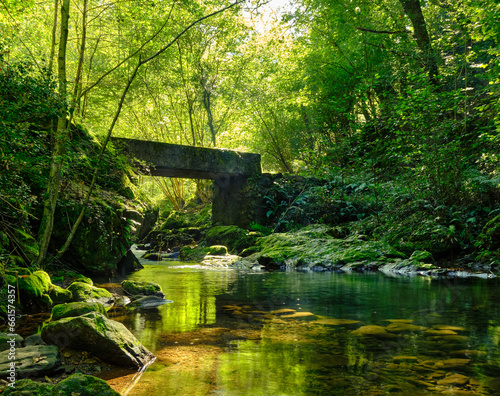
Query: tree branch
[(383, 31)]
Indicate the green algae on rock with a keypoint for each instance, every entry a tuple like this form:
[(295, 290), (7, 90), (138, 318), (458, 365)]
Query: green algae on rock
[(313, 246), (76, 309), (109, 340), (84, 292), (59, 295), (144, 288)]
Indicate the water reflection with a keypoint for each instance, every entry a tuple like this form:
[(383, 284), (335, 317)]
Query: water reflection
[(242, 333)]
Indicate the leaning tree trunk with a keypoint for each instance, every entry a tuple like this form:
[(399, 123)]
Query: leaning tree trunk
[(413, 9), (58, 136)]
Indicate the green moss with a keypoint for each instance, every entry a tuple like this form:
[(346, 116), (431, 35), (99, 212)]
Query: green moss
[(29, 387), (83, 292), (46, 300), (19, 270), (83, 385), (60, 295), (76, 309), (312, 246), (423, 256), (145, 288), (235, 238), (34, 286), (217, 250), (197, 253)]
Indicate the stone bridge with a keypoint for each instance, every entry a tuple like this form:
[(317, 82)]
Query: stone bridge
[(229, 169)]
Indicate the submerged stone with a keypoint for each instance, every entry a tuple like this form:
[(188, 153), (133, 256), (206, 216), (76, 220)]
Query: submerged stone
[(400, 327), (454, 380), (300, 315), (372, 331), (336, 322), (283, 311)]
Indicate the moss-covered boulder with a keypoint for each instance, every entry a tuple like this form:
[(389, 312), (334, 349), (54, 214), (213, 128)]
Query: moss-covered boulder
[(142, 288), (109, 340), (85, 292), (217, 250), (313, 246), (33, 288), (235, 238), (29, 387), (59, 295), (83, 385), (77, 384), (193, 253), (76, 309)]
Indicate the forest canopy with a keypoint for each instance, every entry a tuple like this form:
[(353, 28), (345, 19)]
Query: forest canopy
[(404, 92)]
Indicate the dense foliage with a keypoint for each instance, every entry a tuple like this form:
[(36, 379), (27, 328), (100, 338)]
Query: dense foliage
[(394, 103)]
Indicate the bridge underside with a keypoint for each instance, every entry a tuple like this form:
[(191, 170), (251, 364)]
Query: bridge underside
[(229, 170)]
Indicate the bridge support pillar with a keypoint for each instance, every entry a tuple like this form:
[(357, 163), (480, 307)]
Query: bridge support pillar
[(229, 206)]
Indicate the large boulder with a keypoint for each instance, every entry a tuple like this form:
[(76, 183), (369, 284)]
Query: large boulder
[(109, 340), (32, 360)]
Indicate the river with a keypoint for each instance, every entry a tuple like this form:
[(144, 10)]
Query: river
[(230, 332)]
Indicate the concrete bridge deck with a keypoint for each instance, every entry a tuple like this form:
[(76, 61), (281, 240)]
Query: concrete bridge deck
[(174, 160), (229, 169)]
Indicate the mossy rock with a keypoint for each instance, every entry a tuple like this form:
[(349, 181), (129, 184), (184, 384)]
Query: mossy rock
[(83, 385), (217, 250), (34, 286), (143, 288), (84, 279), (249, 251), (60, 295), (46, 301), (312, 246), (189, 253), (29, 387), (235, 238), (84, 292), (76, 309)]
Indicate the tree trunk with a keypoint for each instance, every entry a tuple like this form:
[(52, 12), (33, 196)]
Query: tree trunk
[(413, 9), (58, 136), (54, 35)]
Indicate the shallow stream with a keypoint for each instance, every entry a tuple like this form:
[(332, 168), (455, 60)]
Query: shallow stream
[(230, 332)]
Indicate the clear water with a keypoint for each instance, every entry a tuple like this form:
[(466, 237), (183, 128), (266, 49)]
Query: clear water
[(223, 336)]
